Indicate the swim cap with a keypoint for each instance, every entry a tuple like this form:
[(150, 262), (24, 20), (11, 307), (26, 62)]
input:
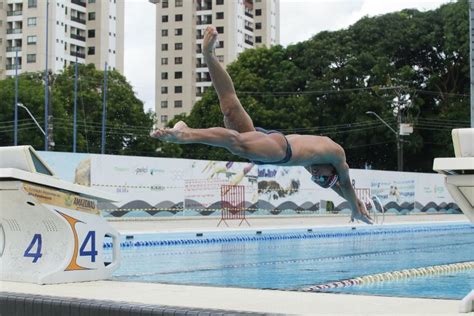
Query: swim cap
[(325, 181)]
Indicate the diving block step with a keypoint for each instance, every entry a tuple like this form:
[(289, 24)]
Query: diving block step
[(467, 303)]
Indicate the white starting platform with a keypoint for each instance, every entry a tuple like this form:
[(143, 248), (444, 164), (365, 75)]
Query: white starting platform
[(459, 173), (51, 230), (459, 170)]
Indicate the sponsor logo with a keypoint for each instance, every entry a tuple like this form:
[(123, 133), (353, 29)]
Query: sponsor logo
[(84, 203), (157, 188), (154, 171), (267, 173), (141, 171)]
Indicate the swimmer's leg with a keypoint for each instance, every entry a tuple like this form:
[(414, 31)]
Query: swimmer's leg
[(235, 116), (250, 145)]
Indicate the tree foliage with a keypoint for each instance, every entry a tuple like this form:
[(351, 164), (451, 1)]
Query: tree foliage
[(127, 125), (327, 84)]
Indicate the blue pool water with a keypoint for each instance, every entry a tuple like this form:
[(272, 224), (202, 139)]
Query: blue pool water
[(293, 260)]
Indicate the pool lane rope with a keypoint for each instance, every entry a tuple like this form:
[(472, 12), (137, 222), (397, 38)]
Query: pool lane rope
[(393, 276)]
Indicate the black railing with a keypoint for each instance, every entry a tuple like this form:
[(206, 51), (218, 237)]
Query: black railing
[(14, 13), (248, 42), (14, 49), (79, 2), (15, 31), (80, 55), (12, 67), (78, 37), (79, 20)]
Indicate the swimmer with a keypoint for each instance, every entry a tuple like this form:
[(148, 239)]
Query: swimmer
[(324, 159)]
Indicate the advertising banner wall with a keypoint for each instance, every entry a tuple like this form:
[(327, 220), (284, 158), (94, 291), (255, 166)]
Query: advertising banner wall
[(182, 187)]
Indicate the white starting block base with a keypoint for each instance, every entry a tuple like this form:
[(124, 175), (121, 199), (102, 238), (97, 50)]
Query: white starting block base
[(467, 303), (459, 171), (50, 230)]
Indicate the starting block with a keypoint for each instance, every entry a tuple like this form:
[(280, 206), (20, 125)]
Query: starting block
[(459, 170), (51, 230)]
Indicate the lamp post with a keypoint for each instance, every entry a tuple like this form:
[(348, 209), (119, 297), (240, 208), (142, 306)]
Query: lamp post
[(21, 105), (397, 135)]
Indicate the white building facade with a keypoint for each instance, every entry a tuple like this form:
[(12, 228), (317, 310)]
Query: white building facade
[(91, 30)]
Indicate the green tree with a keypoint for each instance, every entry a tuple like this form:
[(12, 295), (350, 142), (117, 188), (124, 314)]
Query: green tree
[(128, 126)]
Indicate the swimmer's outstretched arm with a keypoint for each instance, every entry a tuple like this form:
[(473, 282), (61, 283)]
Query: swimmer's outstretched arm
[(344, 188)]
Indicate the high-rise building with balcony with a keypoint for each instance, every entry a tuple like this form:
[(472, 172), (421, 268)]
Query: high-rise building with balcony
[(181, 75), (91, 30)]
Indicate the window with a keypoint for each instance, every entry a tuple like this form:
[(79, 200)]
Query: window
[(164, 18), (164, 90), (91, 1), (31, 40), (164, 33), (258, 12), (164, 4), (220, 29), (221, 44), (258, 39), (164, 76), (91, 16), (178, 46), (164, 47), (31, 21), (31, 58), (91, 50), (178, 89), (220, 58), (178, 32), (164, 118), (178, 17), (258, 26), (32, 3), (178, 60), (219, 15), (164, 61), (178, 104), (91, 33), (219, 2), (178, 74), (164, 104), (178, 3)]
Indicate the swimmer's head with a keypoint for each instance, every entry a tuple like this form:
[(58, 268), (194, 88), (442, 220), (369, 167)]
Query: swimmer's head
[(323, 175)]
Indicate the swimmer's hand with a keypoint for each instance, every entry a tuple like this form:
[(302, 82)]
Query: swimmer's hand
[(173, 135), (362, 214)]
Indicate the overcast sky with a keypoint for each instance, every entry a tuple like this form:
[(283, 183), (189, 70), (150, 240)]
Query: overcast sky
[(299, 20)]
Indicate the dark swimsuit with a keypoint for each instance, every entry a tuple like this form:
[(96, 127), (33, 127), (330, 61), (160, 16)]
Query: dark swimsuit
[(288, 155)]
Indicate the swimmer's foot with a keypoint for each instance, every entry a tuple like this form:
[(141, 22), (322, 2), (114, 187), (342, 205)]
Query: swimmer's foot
[(210, 41), (172, 135)]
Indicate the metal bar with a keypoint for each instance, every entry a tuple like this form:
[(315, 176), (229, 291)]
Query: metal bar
[(46, 84), (104, 110), (74, 137), (15, 133)]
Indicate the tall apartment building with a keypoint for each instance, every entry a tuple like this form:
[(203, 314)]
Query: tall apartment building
[(91, 30), (181, 75)]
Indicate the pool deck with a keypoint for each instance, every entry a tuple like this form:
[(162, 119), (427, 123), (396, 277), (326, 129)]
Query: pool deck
[(246, 300)]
